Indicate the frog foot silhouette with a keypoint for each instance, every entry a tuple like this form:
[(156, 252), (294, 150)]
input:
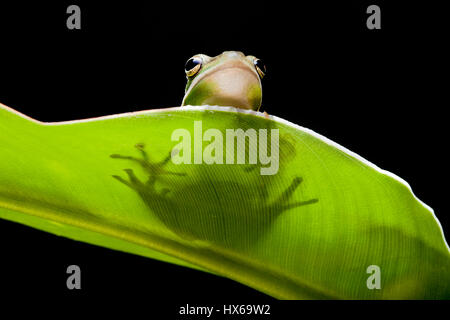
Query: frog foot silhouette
[(154, 170), (282, 201)]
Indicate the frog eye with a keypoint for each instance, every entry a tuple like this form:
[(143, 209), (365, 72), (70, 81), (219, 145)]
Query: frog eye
[(193, 66), (260, 67)]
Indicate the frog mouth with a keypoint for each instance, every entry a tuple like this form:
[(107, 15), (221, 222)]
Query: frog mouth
[(238, 65)]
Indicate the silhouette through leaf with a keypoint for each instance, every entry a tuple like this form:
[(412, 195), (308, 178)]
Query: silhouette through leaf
[(213, 210)]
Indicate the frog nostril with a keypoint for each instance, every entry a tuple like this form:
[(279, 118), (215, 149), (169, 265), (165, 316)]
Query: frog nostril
[(234, 54)]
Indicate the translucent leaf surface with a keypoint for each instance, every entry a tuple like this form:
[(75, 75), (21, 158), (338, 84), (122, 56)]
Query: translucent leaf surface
[(308, 232)]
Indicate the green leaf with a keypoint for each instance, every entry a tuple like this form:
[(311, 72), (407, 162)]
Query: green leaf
[(310, 231)]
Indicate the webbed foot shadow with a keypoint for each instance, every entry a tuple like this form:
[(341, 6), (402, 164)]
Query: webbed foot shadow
[(281, 203), (154, 170)]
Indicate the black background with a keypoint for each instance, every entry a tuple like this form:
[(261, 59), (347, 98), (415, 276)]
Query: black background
[(380, 93)]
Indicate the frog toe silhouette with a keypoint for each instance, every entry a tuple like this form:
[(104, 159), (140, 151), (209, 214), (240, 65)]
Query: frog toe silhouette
[(282, 201), (132, 182), (154, 169)]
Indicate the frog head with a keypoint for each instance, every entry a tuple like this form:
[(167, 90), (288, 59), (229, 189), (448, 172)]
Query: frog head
[(229, 79)]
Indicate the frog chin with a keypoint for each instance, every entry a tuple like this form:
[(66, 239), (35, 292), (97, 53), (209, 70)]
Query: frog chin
[(230, 102), (236, 87)]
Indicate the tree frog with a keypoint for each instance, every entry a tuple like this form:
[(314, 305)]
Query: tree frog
[(229, 79)]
